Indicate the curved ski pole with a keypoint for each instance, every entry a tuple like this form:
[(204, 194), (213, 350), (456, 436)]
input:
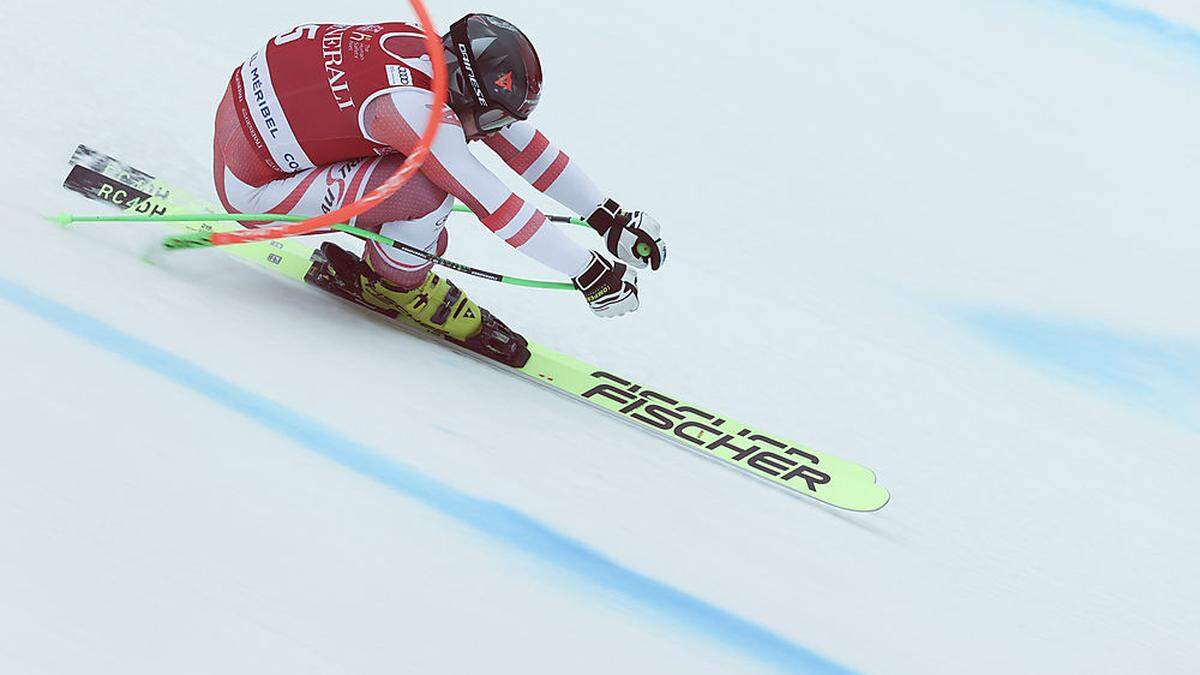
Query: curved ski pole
[(450, 264), (190, 240)]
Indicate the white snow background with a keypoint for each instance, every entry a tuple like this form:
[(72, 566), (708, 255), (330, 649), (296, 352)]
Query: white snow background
[(953, 240)]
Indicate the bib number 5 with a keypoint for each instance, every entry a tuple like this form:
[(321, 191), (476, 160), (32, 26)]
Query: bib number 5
[(308, 32)]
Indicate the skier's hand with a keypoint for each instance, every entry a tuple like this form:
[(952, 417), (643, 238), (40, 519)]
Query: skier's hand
[(610, 288), (632, 236)]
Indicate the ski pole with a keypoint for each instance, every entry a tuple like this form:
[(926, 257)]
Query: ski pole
[(67, 219), (450, 264), (178, 242), (200, 240)]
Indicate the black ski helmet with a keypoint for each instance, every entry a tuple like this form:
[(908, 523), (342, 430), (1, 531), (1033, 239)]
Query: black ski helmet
[(495, 73)]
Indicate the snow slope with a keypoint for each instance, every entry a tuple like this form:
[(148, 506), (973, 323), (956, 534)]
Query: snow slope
[(953, 241)]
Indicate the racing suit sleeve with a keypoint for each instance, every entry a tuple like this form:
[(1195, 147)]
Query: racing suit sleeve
[(399, 119), (528, 152)]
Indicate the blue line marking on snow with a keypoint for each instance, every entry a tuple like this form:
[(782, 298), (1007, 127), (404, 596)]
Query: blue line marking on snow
[(1142, 19), (1157, 374), (490, 518)]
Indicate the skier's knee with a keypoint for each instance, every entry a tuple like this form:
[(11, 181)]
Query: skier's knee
[(417, 199)]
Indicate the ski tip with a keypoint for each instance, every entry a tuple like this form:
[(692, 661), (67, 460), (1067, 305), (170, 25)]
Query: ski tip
[(857, 489), (874, 497), (872, 503), (884, 500), (884, 495), (62, 219)]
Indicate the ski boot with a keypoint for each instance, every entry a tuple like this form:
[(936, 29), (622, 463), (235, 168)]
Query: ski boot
[(437, 306)]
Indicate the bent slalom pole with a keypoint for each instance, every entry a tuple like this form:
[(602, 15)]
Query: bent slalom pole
[(199, 240)]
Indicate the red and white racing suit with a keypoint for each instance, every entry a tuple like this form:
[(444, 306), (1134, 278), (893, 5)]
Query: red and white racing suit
[(326, 113)]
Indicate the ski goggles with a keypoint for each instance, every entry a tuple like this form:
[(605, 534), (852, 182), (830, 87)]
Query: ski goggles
[(495, 120)]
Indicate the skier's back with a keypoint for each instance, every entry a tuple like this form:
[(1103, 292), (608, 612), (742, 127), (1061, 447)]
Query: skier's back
[(326, 113)]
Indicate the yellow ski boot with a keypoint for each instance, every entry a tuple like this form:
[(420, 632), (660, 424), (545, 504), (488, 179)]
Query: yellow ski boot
[(438, 305)]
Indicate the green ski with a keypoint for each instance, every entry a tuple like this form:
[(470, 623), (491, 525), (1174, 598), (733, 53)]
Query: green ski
[(797, 469)]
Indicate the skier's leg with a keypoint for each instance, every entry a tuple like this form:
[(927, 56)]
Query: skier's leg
[(416, 215), (238, 170), (393, 279), (403, 269), (245, 183)]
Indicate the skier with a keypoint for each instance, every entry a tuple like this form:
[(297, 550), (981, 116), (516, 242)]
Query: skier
[(325, 113)]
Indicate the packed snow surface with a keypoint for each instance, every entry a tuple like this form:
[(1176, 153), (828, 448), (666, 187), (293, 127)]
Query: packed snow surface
[(952, 240)]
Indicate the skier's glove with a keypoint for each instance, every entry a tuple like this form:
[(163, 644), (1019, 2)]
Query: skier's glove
[(610, 288), (632, 236)]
